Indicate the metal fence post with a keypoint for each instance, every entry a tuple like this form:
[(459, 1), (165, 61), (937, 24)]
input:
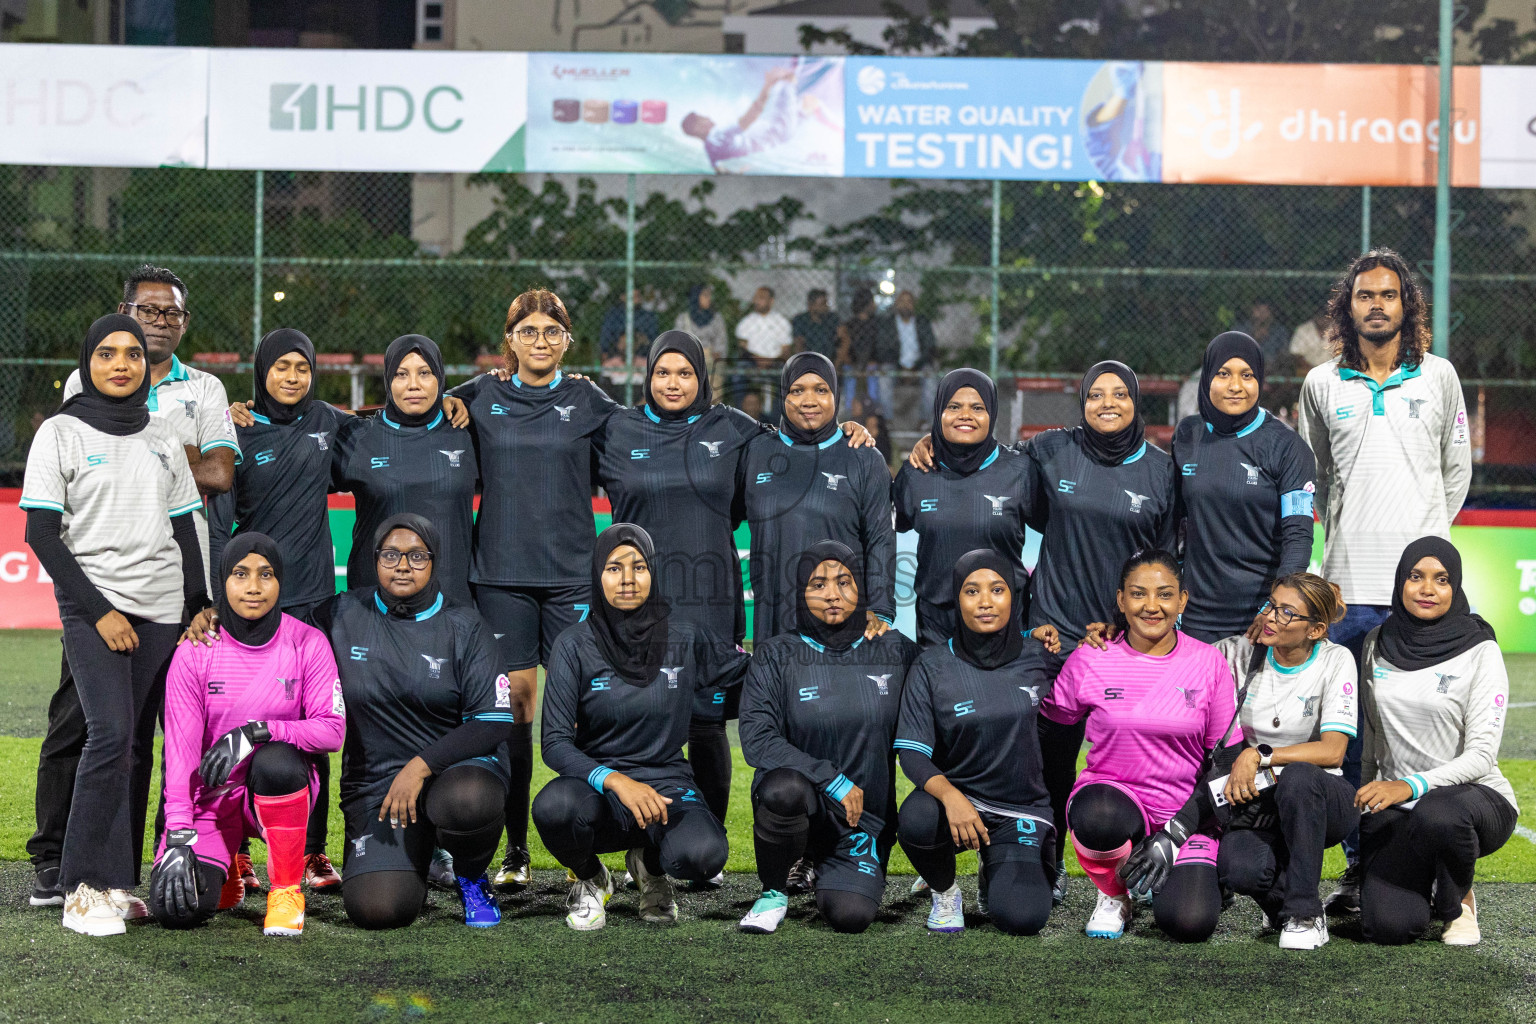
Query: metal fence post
[(1365, 218), (997, 234), (1442, 282), (256, 244), (629, 291)]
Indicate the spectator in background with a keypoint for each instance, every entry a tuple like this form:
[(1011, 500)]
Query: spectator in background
[(905, 341), (876, 425), (765, 335), (1261, 326), (857, 343), (702, 321), (610, 338), (751, 403), (1309, 344), (816, 330)]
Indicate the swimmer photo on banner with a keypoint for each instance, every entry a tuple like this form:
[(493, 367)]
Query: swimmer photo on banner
[(693, 114), (1038, 120)]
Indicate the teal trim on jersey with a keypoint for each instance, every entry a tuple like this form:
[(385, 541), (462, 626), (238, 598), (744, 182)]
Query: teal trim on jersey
[(657, 419), (828, 443), (821, 649), (543, 387), (178, 373), (221, 443), (1139, 453), (437, 606), (1347, 730), (1417, 783), (985, 462), (839, 787), (259, 418), (391, 423), (921, 748), (597, 775), (1270, 657), (191, 506), (40, 503), (1378, 391), (492, 716), (1258, 421)]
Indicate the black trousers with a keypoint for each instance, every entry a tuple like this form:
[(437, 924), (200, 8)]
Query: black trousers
[(1418, 864), (120, 697), (709, 754), (577, 823), (1280, 863)]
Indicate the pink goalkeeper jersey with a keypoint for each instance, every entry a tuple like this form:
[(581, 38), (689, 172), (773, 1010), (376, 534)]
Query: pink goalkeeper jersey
[(1150, 719), (290, 683)]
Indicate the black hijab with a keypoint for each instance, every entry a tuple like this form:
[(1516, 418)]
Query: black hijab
[(988, 650), (634, 643), (250, 632), (1229, 345), (116, 416), (846, 633), (273, 347), (393, 357), (795, 367), (964, 459), (1110, 449), (1410, 643), (700, 316), (426, 597), (689, 348)]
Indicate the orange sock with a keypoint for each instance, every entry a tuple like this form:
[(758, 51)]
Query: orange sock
[(284, 820)]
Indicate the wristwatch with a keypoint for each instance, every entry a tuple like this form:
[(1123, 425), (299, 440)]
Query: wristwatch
[(1266, 752)]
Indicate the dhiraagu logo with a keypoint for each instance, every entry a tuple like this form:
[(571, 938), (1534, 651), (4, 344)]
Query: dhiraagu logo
[(313, 106)]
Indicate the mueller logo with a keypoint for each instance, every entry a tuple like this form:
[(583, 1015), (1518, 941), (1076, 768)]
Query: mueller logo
[(588, 74), (297, 106)]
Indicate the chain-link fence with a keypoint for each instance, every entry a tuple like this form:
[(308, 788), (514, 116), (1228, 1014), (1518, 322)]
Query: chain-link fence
[(1046, 278)]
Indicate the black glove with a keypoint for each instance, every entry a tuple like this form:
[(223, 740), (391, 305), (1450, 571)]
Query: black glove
[(1145, 871), (173, 884), (229, 750)]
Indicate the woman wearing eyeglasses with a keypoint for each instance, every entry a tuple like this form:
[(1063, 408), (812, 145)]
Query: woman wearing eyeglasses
[(1287, 797), (1244, 490), (533, 433), (428, 710)]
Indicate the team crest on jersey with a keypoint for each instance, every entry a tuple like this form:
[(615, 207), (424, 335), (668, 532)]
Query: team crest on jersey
[(1308, 706), (503, 691), (287, 685), (1253, 474), (359, 845), (434, 666), (1189, 696), (565, 412), (997, 503), (1136, 500), (189, 405), (1034, 694), (1444, 685), (832, 480), (713, 447), (320, 437), (165, 460), (883, 682), (453, 457), (671, 673), (338, 704), (1414, 405)]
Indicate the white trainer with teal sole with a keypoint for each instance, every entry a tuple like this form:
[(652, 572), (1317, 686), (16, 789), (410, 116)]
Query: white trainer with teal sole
[(766, 914), (1110, 916)]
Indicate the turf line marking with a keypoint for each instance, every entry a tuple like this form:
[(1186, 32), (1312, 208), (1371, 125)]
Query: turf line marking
[(1525, 704), (1525, 833)]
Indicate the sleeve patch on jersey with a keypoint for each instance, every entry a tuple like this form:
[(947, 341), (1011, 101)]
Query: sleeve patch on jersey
[(338, 705), (1296, 503), (503, 691)]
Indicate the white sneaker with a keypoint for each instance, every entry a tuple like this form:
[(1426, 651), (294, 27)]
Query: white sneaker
[(918, 887), (128, 906), (588, 900), (708, 884), (1305, 933), (657, 904), (1464, 930), (90, 912), (1271, 921), (440, 871), (948, 913), (766, 914), (1110, 916)]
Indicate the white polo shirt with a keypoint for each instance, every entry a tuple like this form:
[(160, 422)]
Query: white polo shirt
[(118, 495), (1393, 464), (766, 335), (1309, 699), (195, 406)]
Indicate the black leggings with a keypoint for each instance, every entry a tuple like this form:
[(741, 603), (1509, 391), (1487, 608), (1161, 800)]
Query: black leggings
[(577, 823), (1419, 863), (1188, 906), (276, 769), (1018, 886), (519, 790), (782, 806), (709, 752), (463, 806)]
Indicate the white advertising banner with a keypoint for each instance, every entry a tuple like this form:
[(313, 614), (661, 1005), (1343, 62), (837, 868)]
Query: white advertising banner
[(1509, 127), (103, 106), (367, 110)]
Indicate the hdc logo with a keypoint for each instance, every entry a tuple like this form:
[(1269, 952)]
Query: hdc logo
[(295, 106)]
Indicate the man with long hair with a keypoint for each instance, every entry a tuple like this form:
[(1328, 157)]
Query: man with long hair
[(1388, 424)]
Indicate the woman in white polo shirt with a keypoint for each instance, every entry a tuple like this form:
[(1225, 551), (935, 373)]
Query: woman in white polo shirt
[(1432, 793), (1297, 719), (109, 497)]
